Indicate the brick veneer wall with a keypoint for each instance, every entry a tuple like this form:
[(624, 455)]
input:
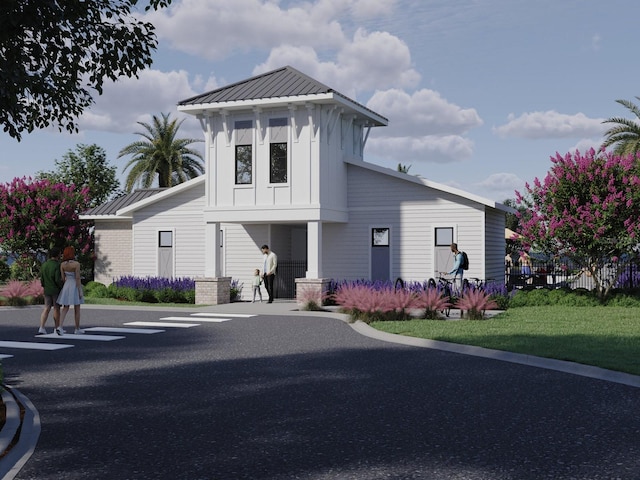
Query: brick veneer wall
[(113, 251)]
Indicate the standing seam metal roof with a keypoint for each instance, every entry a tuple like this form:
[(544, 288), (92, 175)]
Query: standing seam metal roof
[(283, 82), (111, 207)]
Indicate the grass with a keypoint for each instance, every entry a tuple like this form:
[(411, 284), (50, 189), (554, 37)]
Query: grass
[(607, 337)]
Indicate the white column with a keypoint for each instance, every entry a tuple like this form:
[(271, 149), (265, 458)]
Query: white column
[(314, 249), (212, 260)]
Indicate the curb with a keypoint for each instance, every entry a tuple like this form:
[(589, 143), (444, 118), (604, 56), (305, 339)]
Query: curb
[(27, 429), (520, 358)]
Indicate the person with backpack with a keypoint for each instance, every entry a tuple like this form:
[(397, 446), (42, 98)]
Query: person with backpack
[(460, 264)]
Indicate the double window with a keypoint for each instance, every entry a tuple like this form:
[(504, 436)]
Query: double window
[(278, 151)]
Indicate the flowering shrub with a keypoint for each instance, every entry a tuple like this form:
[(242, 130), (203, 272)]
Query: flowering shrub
[(475, 302), (236, 290), (153, 289), (17, 292), (433, 301)]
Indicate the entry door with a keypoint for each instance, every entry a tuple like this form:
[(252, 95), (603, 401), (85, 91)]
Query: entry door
[(165, 254), (380, 254), (442, 254)]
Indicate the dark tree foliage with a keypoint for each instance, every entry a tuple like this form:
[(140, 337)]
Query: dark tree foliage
[(55, 54)]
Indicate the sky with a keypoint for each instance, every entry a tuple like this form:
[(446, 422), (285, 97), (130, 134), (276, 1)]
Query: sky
[(479, 93)]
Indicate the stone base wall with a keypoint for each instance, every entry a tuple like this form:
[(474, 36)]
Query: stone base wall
[(311, 289), (213, 291)]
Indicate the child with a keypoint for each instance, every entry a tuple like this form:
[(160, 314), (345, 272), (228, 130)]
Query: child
[(257, 281)]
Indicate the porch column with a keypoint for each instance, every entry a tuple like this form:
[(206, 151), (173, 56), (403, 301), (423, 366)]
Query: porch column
[(212, 289), (212, 264), (314, 250)]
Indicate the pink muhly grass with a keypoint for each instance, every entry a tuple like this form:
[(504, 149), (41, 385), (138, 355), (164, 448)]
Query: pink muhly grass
[(475, 302), (367, 304), (432, 300), (15, 289), (34, 288)]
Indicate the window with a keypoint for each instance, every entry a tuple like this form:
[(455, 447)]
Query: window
[(244, 170), (244, 152), (444, 236), (379, 237), (278, 136), (165, 239), (278, 163)]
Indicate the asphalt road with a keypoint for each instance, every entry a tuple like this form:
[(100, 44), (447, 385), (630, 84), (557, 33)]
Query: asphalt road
[(295, 397)]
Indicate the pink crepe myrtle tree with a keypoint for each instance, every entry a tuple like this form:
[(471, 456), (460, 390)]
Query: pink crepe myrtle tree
[(39, 215), (587, 208)]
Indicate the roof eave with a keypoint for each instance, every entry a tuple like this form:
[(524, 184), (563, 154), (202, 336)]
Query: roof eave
[(321, 98)]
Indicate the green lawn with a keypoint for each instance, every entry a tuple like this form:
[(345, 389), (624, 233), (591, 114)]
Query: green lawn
[(607, 337)]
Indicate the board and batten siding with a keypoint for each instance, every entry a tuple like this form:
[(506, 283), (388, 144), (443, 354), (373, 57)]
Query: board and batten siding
[(113, 250), (183, 215), (412, 212)]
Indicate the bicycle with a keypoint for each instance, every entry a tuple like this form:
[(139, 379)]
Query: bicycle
[(445, 286)]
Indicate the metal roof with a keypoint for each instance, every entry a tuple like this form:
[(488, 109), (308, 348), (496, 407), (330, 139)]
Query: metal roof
[(111, 207), (281, 83)]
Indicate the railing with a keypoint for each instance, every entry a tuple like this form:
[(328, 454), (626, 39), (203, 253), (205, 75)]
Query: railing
[(569, 275), (288, 271)]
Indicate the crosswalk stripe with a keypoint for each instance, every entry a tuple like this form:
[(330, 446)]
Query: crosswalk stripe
[(190, 319), (83, 336), (162, 324), (3, 356), (123, 330), (237, 315), (34, 345)]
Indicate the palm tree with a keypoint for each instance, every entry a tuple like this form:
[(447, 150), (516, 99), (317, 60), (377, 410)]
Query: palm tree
[(626, 135), (161, 154)]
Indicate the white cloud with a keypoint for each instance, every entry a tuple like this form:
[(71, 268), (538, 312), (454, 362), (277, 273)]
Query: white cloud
[(214, 29), (424, 112), (429, 149), (131, 100), (586, 144), (550, 124), (362, 9), (500, 186)]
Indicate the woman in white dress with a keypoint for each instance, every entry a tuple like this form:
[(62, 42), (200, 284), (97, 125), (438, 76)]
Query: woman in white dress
[(71, 293)]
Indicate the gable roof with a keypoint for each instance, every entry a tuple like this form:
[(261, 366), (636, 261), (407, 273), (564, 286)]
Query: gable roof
[(428, 183), (112, 206), (282, 86), (122, 207)]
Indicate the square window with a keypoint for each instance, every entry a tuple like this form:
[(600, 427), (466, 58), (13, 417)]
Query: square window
[(379, 237), (165, 239), (444, 236)]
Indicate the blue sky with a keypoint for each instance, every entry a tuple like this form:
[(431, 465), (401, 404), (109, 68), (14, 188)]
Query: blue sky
[(478, 93)]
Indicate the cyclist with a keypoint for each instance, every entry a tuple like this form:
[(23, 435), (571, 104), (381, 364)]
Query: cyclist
[(457, 271)]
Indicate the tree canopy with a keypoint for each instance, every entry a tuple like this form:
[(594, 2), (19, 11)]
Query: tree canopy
[(625, 135), (86, 167), (161, 155), (40, 215), (55, 53), (588, 209)]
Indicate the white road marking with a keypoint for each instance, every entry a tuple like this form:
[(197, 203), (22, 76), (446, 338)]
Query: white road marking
[(190, 319), (238, 315), (3, 356), (34, 345), (163, 324), (82, 336), (123, 330)]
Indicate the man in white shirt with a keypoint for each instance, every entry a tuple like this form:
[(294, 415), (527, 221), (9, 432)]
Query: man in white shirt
[(269, 270)]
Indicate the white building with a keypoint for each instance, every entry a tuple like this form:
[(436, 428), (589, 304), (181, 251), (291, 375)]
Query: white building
[(285, 167)]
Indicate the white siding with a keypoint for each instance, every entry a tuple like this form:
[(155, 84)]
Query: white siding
[(496, 245), (113, 250), (243, 255), (412, 212), (181, 213)]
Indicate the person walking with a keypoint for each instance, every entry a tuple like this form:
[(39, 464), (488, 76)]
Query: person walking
[(51, 281), (71, 293), (270, 268), (457, 271), (257, 281)]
